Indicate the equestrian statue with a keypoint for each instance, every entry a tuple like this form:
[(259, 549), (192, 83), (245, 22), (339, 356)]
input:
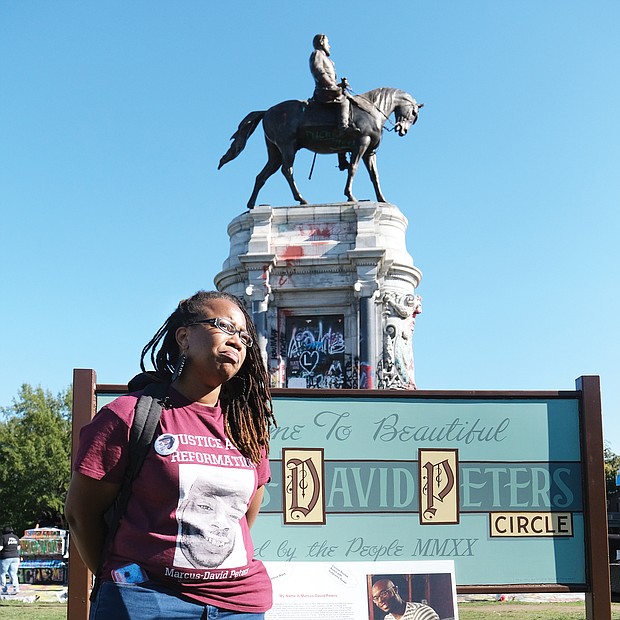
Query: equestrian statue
[(332, 121)]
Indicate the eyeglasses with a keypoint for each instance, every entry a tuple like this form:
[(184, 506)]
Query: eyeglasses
[(387, 593), (227, 327)]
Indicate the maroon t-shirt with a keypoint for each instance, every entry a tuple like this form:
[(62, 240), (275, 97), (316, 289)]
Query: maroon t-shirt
[(185, 523)]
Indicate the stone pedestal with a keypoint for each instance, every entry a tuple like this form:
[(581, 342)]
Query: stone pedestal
[(331, 288)]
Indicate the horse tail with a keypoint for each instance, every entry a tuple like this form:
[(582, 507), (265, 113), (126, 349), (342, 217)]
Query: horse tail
[(241, 136)]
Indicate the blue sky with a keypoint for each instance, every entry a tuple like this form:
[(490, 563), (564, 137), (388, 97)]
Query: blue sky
[(113, 117)]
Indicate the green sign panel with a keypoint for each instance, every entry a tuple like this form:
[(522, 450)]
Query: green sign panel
[(495, 485)]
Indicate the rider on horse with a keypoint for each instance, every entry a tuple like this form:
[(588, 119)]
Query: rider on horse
[(324, 127), (327, 89)]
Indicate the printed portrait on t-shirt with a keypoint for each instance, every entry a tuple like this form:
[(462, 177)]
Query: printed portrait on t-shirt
[(212, 502)]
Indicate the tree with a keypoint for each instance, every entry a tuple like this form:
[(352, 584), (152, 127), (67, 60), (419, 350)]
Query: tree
[(612, 466), (35, 452)]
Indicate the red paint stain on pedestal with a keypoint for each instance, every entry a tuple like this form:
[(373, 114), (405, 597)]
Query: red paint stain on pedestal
[(292, 252)]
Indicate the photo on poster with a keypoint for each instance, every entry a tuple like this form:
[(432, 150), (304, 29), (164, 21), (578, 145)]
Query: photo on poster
[(420, 596)]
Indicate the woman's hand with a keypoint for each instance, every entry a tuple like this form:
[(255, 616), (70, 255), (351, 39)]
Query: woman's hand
[(87, 501)]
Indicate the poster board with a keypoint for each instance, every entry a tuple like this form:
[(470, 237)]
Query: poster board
[(356, 590)]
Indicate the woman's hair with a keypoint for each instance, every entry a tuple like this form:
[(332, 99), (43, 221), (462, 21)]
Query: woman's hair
[(245, 399)]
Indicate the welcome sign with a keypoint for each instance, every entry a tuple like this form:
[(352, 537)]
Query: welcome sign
[(507, 487), (494, 484)]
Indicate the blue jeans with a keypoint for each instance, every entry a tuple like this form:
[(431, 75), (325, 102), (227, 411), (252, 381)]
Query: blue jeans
[(150, 601), (10, 566)]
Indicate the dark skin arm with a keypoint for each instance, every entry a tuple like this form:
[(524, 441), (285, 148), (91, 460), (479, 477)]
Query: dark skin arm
[(254, 506), (87, 501)]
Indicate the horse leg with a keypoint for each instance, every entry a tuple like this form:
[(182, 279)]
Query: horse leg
[(362, 144), (288, 157), (370, 160), (273, 163)]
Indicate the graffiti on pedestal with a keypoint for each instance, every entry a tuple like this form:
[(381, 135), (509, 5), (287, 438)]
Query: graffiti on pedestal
[(315, 352), (351, 370), (277, 355), (395, 369)]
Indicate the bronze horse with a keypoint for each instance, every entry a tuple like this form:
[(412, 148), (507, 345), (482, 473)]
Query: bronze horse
[(293, 125)]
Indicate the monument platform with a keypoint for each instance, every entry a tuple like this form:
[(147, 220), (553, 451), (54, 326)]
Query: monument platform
[(332, 292)]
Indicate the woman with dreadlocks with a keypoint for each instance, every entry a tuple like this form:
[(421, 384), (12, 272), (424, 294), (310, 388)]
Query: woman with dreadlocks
[(183, 547)]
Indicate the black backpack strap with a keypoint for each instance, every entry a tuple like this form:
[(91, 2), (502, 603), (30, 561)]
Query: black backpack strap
[(145, 421)]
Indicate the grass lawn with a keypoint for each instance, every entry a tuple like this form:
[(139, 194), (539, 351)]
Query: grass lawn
[(14, 610), (527, 611), (467, 611)]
